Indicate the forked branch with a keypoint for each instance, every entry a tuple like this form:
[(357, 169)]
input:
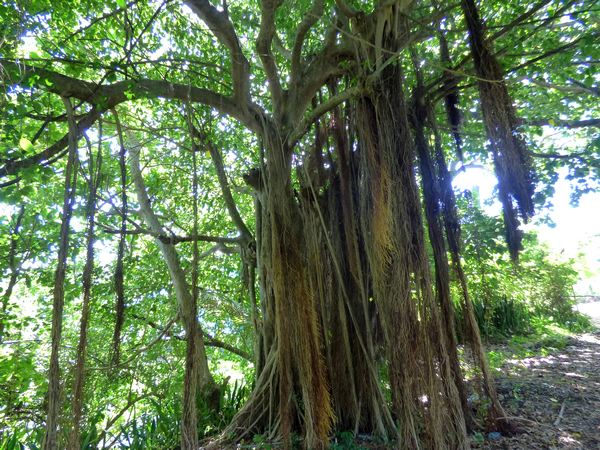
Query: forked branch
[(222, 28), (263, 47)]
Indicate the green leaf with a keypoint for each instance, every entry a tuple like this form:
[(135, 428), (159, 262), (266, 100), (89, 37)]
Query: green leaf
[(25, 144), (121, 3)]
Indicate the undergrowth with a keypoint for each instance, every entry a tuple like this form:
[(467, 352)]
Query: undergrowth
[(158, 427)]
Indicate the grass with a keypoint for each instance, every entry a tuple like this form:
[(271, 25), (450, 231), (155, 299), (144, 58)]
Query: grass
[(547, 337)]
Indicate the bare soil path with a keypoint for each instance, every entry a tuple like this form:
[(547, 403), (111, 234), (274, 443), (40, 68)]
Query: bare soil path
[(555, 398)]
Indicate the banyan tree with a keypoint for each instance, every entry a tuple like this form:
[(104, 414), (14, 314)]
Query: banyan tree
[(354, 114)]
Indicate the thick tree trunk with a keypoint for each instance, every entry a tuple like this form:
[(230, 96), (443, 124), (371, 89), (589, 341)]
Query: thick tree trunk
[(415, 340), (303, 389), (291, 393), (330, 281), (342, 263)]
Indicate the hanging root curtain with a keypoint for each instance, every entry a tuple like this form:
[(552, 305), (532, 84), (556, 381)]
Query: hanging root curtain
[(347, 292), (440, 208), (511, 160)]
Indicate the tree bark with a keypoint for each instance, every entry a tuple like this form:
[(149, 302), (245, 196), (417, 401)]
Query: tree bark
[(496, 417), (119, 276), (432, 200), (14, 270), (51, 438), (349, 297), (291, 392), (79, 372), (197, 373), (511, 161)]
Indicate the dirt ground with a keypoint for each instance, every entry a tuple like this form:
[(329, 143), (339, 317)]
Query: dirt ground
[(555, 399)]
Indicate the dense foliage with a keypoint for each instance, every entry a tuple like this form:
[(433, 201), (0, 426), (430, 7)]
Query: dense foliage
[(512, 299), (199, 150)]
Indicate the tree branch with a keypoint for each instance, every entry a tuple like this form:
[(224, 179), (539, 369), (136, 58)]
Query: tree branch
[(277, 42), (222, 28), (563, 123), (209, 340), (324, 66), (580, 157), (263, 47), (173, 239), (321, 109), (15, 269), (346, 9), (12, 167), (520, 19), (578, 89), (547, 54), (505, 29), (217, 159), (442, 91), (117, 416), (311, 17), (105, 97)]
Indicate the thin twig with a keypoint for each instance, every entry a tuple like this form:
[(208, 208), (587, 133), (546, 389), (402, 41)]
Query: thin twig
[(560, 414)]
